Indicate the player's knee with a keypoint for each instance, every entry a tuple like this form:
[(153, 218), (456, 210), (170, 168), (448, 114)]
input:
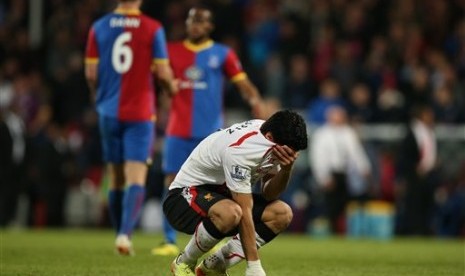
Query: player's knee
[(232, 215), (226, 217), (282, 216)]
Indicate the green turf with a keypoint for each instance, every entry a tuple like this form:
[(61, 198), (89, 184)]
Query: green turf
[(84, 252)]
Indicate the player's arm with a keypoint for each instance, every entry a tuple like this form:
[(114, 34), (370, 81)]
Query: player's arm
[(91, 63), (274, 185), (164, 74), (237, 170), (161, 66), (249, 92), (91, 77), (246, 225)]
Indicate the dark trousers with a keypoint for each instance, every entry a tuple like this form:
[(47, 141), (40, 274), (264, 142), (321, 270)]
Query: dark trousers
[(418, 205), (336, 201)]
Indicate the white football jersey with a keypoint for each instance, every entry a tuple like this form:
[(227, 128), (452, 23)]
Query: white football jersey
[(238, 156)]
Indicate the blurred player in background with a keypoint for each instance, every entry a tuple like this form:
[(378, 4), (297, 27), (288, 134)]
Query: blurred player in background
[(123, 48), (201, 66), (211, 196), (335, 153)]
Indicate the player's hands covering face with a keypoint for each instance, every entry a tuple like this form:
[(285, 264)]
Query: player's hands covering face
[(285, 156)]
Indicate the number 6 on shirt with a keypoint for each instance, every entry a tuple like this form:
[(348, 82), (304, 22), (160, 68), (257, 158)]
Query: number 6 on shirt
[(121, 54)]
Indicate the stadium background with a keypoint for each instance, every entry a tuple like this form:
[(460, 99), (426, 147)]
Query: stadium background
[(54, 176)]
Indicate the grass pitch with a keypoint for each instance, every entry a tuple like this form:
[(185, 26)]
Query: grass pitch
[(90, 252)]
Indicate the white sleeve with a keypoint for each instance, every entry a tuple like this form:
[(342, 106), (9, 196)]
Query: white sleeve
[(357, 153), (237, 171), (319, 158)]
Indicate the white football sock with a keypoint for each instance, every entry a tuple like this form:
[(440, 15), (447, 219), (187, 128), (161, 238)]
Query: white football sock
[(200, 243), (230, 254)]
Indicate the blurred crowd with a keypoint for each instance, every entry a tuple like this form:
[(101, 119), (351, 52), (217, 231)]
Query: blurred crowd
[(378, 59)]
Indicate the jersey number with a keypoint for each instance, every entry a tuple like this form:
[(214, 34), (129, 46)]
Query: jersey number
[(121, 54)]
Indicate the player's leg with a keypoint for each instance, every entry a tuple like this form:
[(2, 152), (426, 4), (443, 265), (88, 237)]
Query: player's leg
[(115, 202), (273, 218), (209, 218), (113, 157), (112, 144), (137, 143), (115, 194), (134, 195)]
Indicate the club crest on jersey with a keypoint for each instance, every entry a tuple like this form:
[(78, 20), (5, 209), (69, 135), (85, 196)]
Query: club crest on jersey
[(194, 73), (213, 61), (208, 197), (239, 173)]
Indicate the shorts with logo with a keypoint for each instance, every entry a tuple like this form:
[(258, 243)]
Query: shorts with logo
[(186, 207)]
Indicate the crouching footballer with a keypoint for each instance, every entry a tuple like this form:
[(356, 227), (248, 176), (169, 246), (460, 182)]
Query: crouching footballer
[(214, 195)]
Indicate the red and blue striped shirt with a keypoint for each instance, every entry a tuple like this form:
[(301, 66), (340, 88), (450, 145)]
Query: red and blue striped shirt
[(197, 110), (125, 43)]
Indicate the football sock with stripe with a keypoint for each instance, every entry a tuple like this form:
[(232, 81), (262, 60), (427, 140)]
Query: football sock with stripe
[(132, 205), (232, 252), (205, 237)]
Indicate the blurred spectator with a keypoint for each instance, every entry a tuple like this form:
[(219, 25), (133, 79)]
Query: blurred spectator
[(375, 63), (323, 53), (275, 78), (54, 166), (292, 37), (345, 69), (391, 105), (447, 108), (299, 88), (330, 95), (450, 214), (416, 161), (262, 31), (335, 152), (71, 93), (417, 90), (12, 157), (360, 107)]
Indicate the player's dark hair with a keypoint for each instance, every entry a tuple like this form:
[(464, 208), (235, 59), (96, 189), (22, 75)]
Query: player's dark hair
[(206, 7), (288, 128)]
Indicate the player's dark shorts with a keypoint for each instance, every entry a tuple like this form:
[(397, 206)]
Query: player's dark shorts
[(176, 150), (122, 141), (185, 208)]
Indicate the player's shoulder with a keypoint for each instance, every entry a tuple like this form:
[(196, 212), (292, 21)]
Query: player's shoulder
[(221, 47)]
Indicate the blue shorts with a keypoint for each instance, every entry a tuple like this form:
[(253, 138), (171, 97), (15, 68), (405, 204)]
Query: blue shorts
[(175, 152), (126, 141)]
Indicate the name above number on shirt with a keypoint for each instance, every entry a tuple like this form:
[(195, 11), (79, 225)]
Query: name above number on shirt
[(238, 126), (121, 54), (125, 22)]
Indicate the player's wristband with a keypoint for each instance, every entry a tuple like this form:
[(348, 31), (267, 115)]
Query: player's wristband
[(254, 268), (254, 264)]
